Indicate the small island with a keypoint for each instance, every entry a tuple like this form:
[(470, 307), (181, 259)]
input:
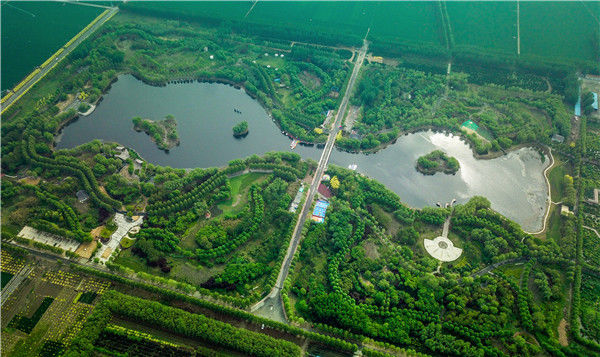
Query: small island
[(241, 129), (163, 132), (437, 161)]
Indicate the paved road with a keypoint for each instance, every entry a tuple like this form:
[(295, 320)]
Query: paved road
[(58, 58), (123, 226), (14, 283), (295, 241)]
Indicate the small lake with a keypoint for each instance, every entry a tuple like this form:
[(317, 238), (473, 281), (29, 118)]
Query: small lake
[(205, 115)]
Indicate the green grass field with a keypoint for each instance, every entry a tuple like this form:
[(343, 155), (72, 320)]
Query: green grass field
[(239, 194)]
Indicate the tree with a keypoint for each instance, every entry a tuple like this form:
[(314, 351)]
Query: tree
[(334, 182)]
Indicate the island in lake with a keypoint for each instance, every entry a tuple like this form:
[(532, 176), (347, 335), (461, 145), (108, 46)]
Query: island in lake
[(162, 132), (437, 161), (241, 129)]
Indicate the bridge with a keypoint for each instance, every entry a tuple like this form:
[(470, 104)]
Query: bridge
[(271, 306)]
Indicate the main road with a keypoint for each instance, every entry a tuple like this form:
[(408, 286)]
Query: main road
[(48, 66), (272, 302)]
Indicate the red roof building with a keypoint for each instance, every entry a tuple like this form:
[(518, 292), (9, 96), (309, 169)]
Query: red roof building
[(324, 191)]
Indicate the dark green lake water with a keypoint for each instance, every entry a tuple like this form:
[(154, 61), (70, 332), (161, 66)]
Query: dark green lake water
[(33, 31), (514, 183)]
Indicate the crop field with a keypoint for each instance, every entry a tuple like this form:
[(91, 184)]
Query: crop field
[(487, 26), (47, 309), (573, 34), (26, 41)]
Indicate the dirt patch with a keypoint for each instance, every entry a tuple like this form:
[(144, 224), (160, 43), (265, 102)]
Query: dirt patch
[(237, 200), (30, 180), (63, 105), (97, 231), (309, 80), (106, 253), (103, 190), (85, 250), (371, 250), (562, 333)]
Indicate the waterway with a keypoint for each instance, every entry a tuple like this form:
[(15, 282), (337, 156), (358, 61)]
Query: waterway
[(514, 183)]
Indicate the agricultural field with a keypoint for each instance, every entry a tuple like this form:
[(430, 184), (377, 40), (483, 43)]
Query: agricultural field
[(575, 36), (26, 41), (487, 27), (44, 313)]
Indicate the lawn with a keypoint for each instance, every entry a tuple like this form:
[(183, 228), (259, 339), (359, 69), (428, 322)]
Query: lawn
[(239, 190), (555, 177)]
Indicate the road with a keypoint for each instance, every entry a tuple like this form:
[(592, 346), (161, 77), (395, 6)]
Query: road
[(273, 300), (43, 71)]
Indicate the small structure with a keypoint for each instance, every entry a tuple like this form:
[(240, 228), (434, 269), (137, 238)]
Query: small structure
[(324, 191), (558, 138), (595, 103), (565, 211), (326, 178), (139, 161), (377, 59), (82, 196), (277, 55), (120, 148), (442, 249), (319, 211), (211, 57), (578, 107), (123, 155), (470, 125), (281, 55)]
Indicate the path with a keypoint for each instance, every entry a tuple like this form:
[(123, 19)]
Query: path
[(272, 301), (549, 199), (14, 283), (489, 268), (123, 226), (518, 29), (13, 96), (593, 230)]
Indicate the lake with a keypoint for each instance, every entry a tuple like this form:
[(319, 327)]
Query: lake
[(205, 115)]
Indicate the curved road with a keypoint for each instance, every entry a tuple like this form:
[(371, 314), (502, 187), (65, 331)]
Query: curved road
[(273, 300), (67, 50)]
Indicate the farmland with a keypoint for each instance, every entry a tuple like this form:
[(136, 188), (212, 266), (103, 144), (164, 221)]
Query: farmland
[(481, 26), (30, 21)]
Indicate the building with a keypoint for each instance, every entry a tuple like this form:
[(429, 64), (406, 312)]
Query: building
[(324, 191), (377, 59), (82, 196), (565, 211), (319, 211), (558, 138), (595, 103)]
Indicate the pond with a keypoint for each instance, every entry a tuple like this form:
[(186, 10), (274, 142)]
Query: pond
[(205, 115)]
